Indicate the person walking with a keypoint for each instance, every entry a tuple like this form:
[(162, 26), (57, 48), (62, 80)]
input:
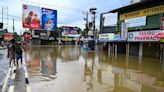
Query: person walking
[(19, 51), (11, 52)]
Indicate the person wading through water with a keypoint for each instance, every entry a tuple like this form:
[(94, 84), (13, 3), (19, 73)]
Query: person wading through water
[(19, 51), (11, 52)]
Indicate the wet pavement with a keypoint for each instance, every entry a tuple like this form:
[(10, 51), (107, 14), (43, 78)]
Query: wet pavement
[(71, 69), (3, 65)]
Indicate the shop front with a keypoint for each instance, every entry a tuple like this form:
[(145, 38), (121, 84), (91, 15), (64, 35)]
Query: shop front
[(144, 43)]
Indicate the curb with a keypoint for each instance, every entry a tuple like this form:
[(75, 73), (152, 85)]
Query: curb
[(28, 89)]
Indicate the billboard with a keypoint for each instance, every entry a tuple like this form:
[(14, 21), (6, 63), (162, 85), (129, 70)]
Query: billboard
[(70, 31), (31, 17), (49, 19)]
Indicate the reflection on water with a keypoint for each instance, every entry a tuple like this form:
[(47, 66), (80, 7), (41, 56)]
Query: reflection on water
[(100, 72)]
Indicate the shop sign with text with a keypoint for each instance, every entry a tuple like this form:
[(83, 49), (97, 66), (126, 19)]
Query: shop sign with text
[(144, 12), (136, 22), (106, 37), (143, 36), (8, 36)]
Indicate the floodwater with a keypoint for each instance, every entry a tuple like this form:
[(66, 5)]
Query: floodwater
[(3, 66), (71, 69)]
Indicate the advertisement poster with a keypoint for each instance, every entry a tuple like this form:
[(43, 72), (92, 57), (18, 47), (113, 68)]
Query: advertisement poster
[(49, 19), (31, 17)]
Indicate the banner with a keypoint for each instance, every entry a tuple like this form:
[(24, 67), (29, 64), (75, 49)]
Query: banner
[(49, 19), (144, 12), (143, 36), (31, 17), (124, 31)]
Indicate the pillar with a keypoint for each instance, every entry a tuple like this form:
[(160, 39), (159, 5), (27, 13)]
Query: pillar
[(127, 49), (140, 49), (109, 49), (140, 54), (115, 51)]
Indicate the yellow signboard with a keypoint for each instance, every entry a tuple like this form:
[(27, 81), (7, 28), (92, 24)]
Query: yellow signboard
[(107, 35), (144, 12)]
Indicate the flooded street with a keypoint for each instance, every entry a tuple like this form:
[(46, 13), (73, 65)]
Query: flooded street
[(3, 65), (71, 69)]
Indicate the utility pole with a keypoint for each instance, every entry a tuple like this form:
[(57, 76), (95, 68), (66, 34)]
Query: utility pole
[(2, 14), (93, 11), (101, 23), (7, 17), (86, 19), (13, 26)]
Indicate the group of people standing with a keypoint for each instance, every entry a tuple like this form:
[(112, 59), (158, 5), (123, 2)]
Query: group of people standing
[(15, 51)]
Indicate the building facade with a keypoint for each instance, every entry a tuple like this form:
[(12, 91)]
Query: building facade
[(138, 24)]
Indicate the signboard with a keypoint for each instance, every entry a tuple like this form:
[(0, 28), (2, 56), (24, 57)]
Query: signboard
[(106, 37), (135, 22), (70, 31), (49, 19), (143, 36), (124, 31), (31, 17), (8, 37), (117, 37), (162, 24), (144, 12)]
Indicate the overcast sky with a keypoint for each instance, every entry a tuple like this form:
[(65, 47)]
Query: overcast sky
[(70, 12)]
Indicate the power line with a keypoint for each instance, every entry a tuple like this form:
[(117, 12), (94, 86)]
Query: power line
[(41, 4)]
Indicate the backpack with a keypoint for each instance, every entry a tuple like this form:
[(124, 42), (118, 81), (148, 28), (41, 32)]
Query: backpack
[(18, 49)]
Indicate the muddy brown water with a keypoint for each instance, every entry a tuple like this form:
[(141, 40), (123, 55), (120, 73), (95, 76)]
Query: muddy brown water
[(71, 69)]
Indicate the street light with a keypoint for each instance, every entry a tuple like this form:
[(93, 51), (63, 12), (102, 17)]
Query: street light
[(93, 11)]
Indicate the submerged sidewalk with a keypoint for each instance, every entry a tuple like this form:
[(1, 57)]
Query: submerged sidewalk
[(16, 79)]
